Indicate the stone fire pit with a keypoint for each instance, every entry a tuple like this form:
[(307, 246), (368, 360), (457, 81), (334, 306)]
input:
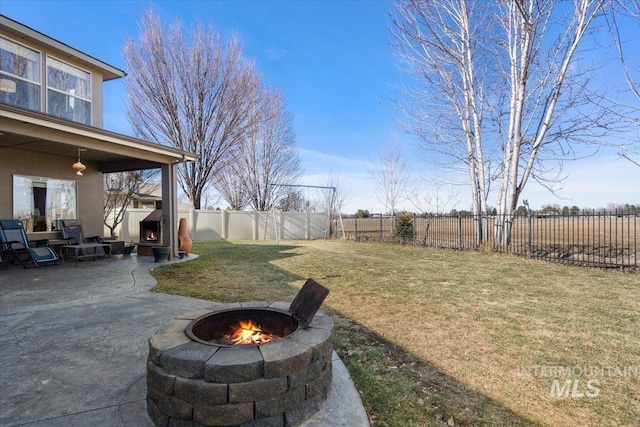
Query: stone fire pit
[(279, 383)]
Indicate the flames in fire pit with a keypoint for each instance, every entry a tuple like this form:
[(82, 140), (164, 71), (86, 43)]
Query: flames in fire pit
[(248, 332)]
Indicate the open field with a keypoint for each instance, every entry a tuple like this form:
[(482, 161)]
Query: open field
[(433, 337), (602, 240)]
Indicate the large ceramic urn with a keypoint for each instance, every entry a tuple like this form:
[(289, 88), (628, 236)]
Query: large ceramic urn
[(184, 241)]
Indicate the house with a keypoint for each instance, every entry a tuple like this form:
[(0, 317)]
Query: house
[(150, 194), (53, 149)]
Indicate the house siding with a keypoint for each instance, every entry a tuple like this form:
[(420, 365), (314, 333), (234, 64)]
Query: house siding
[(90, 192)]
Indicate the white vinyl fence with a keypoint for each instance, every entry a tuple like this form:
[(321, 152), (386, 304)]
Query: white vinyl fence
[(236, 225)]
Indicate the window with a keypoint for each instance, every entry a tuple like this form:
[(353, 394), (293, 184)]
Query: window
[(68, 91), (42, 203), (19, 75)]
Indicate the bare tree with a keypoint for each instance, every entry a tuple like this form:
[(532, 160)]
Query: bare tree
[(496, 85), (191, 94), (230, 183), (120, 189), (391, 176), (293, 200), (268, 154), (441, 43), (629, 11), (439, 200), (334, 201)]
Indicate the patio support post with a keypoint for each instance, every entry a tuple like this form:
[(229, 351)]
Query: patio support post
[(170, 208)]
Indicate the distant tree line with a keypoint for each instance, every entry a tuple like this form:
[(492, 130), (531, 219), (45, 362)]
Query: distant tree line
[(549, 209)]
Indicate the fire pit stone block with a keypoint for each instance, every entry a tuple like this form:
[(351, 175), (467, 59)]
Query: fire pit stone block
[(230, 414), (299, 414), (186, 360), (285, 402), (199, 392), (320, 340), (161, 342), (234, 365), (319, 385), (307, 375), (172, 406), (158, 417), (159, 380), (256, 390), (173, 326), (322, 322), (285, 357)]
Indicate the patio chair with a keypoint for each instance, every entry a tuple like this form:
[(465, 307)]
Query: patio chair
[(82, 247), (17, 248)]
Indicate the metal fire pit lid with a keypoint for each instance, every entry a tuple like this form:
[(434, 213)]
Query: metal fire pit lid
[(308, 301)]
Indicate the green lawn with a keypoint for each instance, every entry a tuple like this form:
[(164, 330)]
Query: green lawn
[(436, 337)]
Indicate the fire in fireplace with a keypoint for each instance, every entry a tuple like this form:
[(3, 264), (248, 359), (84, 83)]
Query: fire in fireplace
[(254, 363), (151, 226)]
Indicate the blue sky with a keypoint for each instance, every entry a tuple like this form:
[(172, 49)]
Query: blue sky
[(332, 62)]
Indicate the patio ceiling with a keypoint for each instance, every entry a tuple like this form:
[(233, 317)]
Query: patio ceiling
[(112, 152)]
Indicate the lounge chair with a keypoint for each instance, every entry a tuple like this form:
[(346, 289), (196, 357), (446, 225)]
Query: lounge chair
[(17, 248), (82, 247)]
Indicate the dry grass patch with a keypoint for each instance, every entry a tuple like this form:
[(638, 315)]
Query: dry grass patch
[(432, 336)]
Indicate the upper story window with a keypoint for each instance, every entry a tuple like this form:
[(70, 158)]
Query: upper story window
[(19, 75), (68, 91), (68, 88)]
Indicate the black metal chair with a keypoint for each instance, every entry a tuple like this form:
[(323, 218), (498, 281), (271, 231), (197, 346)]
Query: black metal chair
[(82, 248), (16, 247)]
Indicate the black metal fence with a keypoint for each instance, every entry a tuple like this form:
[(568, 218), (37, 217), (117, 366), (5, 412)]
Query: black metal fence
[(597, 239)]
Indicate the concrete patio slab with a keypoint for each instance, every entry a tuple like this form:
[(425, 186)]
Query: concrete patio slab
[(74, 344)]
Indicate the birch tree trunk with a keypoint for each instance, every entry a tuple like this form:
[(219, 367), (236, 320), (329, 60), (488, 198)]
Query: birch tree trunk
[(533, 102), (439, 42)]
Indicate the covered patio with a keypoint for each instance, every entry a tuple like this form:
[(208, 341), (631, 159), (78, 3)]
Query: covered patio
[(34, 145)]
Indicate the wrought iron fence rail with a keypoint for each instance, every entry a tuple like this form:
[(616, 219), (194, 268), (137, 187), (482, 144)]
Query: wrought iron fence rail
[(596, 239)]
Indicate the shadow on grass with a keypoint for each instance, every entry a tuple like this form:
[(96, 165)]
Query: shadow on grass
[(400, 389), (397, 388)]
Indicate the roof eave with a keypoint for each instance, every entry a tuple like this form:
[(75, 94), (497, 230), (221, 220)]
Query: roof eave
[(110, 72)]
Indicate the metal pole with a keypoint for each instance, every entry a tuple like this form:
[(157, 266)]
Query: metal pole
[(530, 231), (459, 231)]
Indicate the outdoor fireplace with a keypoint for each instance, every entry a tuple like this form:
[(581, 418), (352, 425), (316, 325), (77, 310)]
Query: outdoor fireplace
[(279, 376), (150, 231), (151, 226)]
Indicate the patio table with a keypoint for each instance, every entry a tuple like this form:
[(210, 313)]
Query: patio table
[(78, 250)]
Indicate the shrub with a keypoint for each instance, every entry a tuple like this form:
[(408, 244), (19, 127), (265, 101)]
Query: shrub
[(403, 229)]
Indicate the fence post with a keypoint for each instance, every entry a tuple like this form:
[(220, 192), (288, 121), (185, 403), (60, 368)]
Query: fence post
[(459, 231), (193, 217), (224, 218), (413, 228), (256, 220), (530, 231), (355, 226), (381, 229)]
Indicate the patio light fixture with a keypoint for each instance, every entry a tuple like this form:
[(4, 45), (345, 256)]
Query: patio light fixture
[(78, 166), (7, 86)]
